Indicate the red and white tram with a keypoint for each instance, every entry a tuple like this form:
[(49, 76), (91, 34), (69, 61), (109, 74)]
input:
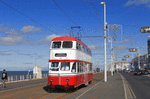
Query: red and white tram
[(70, 63)]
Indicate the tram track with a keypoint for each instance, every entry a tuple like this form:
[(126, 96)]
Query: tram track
[(41, 92)]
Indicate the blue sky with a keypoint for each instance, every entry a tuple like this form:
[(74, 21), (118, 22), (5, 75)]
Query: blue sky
[(21, 37)]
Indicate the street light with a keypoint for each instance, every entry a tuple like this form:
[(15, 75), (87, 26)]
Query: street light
[(105, 73), (138, 58)]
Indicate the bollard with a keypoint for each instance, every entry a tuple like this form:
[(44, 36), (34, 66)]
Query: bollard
[(30, 76), (16, 78), (20, 77), (46, 74), (8, 78), (11, 78)]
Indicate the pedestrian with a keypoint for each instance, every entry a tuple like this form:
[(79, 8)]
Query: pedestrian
[(4, 77)]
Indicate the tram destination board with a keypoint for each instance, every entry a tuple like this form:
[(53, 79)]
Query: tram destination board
[(132, 50)]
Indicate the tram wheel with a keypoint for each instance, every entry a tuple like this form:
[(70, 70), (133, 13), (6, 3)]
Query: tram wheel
[(90, 82), (86, 84)]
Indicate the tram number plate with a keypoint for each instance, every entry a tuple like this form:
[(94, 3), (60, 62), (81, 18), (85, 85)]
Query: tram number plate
[(60, 55)]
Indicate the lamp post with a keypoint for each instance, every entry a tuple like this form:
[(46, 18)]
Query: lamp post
[(138, 59), (105, 73)]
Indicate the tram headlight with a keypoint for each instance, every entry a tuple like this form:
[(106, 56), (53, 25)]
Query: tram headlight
[(51, 80), (67, 80)]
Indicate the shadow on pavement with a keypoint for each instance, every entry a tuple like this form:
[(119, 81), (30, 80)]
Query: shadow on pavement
[(47, 89)]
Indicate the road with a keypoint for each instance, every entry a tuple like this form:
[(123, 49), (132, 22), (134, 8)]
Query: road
[(140, 84), (40, 90)]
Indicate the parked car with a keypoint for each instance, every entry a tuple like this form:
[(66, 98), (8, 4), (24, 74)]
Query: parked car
[(138, 72), (144, 72)]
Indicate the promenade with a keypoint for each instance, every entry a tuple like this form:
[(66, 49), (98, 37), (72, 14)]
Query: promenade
[(114, 88)]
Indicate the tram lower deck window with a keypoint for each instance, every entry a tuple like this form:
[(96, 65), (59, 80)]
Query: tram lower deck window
[(65, 66), (54, 64)]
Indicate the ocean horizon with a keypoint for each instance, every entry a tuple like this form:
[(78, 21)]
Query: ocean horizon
[(19, 72)]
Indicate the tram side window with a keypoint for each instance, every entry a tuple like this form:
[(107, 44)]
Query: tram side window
[(81, 67), (85, 49), (80, 47), (67, 44), (65, 66), (74, 67), (90, 67), (56, 45), (77, 45), (78, 67)]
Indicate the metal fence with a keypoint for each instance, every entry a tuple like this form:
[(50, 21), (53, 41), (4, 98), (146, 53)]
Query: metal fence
[(16, 78)]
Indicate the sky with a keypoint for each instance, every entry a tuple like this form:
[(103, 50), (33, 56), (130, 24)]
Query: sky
[(28, 26)]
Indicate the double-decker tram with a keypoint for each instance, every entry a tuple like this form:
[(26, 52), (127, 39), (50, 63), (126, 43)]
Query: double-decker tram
[(70, 63)]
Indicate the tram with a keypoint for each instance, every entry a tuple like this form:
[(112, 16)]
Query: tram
[(70, 63)]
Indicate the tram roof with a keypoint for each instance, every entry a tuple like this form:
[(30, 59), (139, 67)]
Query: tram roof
[(69, 38)]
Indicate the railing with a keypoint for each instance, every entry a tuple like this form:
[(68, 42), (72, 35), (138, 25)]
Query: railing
[(16, 78)]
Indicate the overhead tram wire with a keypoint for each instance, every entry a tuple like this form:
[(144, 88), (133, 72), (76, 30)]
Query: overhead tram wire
[(96, 14), (69, 17), (64, 12), (25, 15)]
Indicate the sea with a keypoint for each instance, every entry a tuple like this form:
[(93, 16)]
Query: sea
[(20, 72)]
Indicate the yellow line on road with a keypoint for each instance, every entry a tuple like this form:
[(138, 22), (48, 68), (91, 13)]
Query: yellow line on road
[(131, 90)]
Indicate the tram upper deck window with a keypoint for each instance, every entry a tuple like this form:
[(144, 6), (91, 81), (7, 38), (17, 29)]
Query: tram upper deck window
[(67, 44), (56, 45), (65, 66), (77, 45)]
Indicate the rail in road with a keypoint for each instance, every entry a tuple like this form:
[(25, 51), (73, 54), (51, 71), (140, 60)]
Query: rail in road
[(38, 89)]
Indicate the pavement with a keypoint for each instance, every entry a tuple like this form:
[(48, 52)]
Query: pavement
[(112, 89)]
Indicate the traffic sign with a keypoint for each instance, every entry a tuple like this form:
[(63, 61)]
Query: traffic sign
[(145, 29), (132, 50), (126, 56)]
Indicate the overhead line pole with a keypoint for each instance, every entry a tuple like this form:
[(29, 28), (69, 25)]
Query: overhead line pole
[(105, 73)]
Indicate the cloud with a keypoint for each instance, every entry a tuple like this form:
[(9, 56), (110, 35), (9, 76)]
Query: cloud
[(48, 39), (28, 63), (128, 41), (5, 53), (137, 2), (29, 29), (120, 47), (94, 47), (13, 40)]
